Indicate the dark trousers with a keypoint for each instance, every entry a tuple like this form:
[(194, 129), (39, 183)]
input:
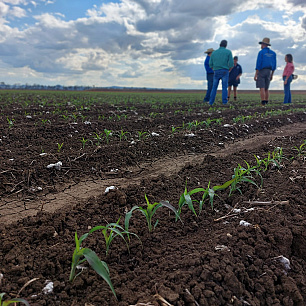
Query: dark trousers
[(210, 81)]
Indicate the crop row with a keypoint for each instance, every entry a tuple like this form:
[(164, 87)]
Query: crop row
[(242, 175)]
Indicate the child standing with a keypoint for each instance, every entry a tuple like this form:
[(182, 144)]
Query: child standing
[(287, 77)]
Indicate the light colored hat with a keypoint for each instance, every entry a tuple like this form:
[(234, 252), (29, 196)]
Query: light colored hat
[(265, 41), (210, 50)]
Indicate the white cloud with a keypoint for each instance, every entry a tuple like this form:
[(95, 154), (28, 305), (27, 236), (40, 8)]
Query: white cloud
[(151, 43)]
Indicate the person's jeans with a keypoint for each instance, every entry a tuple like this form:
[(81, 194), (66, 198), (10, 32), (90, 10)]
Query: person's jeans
[(223, 75), (210, 80), (287, 98)]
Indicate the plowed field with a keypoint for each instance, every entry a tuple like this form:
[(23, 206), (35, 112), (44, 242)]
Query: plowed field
[(60, 151)]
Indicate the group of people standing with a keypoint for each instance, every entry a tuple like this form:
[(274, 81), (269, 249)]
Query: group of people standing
[(220, 65)]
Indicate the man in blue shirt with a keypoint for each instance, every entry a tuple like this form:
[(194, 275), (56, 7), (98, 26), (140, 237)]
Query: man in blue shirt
[(234, 78), (221, 61), (209, 74), (265, 67)]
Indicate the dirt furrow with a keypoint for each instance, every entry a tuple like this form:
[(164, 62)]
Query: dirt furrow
[(13, 208)]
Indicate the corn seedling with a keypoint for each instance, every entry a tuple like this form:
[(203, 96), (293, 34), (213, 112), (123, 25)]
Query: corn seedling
[(122, 135), (108, 134), (142, 135), (92, 258), (174, 129), (10, 122), (110, 231), (240, 175), (208, 122), (270, 160), (189, 126), (211, 192), (11, 301), (301, 150), (98, 138), (83, 141), (258, 161), (219, 121), (185, 198), (277, 155), (197, 124), (149, 212), (59, 147)]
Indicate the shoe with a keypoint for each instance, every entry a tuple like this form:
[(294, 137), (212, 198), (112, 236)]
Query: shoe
[(235, 98)]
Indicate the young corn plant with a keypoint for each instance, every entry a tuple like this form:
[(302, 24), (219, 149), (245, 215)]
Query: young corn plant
[(142, 135), (219, 121), (208, 122), (174, 129), (197, 124), (149, 212), (98, 138), (211, 192), (301, 150), (277, 155), (272, 158), (108, 134), (208, 193), (84, 254), (122, 135), (189, 126), (83, 141), (185, 198), (11, 301), (241, 175), (110, 231), (10, 122), (59, 147)]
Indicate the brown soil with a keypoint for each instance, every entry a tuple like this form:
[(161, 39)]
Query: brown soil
[(209, 259)]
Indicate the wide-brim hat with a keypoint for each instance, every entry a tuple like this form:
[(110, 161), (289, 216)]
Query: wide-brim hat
[(210, 50), (265, 41)]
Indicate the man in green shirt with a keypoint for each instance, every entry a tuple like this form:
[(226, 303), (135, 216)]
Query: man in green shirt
[(221, 61)]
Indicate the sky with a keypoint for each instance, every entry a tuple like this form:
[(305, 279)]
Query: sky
[(144, 43)]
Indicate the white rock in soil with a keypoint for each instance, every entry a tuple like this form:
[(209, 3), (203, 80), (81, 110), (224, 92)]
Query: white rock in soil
[(285, 261), (190, 135), (221, 247), (244, 223), (48, 288), (57, 165), (155, 134), (108, 189)]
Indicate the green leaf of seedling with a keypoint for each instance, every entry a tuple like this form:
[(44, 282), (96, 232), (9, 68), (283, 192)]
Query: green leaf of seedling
[(156, 223), (189, 203), (225, 185), (99, 266), (128, 216), (171, 207), (12, 301)]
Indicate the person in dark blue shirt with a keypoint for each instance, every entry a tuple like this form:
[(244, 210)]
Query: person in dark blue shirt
[(234, 78), (209, 74), (265, 67)]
